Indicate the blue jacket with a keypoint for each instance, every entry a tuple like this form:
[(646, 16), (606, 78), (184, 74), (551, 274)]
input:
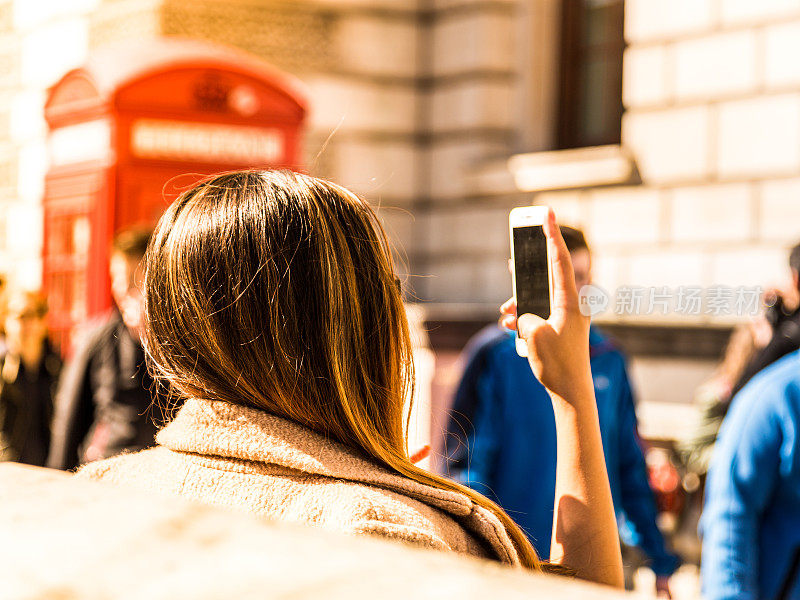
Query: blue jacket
[(501, 441), (751, 519)]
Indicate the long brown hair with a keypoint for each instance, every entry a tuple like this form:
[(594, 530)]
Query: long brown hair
[(276, 290)]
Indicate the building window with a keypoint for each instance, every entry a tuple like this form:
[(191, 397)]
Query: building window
[(590, 91)]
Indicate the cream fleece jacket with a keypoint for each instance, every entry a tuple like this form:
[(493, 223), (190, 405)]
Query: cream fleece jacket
[(245, 459)]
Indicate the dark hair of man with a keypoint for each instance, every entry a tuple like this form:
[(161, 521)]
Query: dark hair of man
[(132, 242), (573, 238), (794, 259)]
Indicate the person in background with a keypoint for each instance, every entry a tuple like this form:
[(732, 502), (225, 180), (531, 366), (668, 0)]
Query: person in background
[(29, 370), (713, 397), (783, 313), (104, 403), (501, 441), (3, 309), (750, 525)]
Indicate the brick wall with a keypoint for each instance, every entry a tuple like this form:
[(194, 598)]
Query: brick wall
[(712, 92), (39, 41), (471, 86), (413, 102)]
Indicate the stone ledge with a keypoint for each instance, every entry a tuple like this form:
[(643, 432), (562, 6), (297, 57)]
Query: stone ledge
[(577, 168), (451, 326), (69, 538)]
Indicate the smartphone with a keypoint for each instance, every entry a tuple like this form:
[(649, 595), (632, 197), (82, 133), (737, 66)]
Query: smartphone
[(530, 275)]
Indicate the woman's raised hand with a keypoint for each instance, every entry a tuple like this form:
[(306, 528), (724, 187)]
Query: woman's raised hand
[(585, 535), (558, 348)]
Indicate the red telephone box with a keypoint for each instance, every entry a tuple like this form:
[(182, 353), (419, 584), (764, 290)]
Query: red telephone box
[(122, 129)]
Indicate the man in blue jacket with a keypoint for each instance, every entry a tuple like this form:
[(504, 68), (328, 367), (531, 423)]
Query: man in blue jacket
[(501, 437), (751, 519)]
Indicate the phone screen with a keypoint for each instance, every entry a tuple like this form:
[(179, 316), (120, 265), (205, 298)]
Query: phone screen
[(531, 272)]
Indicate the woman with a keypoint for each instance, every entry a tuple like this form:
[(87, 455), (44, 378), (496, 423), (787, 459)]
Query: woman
[(272, 306)]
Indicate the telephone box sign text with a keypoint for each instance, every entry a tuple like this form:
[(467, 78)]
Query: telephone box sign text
[(204, 142)]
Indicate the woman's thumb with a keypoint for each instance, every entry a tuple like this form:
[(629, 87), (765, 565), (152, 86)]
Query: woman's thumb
[(527, 324)]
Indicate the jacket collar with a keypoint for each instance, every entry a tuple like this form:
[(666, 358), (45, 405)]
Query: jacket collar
[(217, 428)]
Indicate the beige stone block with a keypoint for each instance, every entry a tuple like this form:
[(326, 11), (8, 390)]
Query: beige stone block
[(493, 177), (5, 119), (27, 115), (41, 66), (115, 21), (452, 163), (445, 4), (571, 208), (294, 36), (664, 390), (759, 136), (377, 170), (629, 215), (9, 171), (23, 238), (782, 47), (714, 66), (493, 281), (338, 104), (468, 230), (606, 269), (6, 264), (712, 213), (780, 211), (24, 228), (756, 265), (25, 271), (734, 12), (438, 236), (29, 14), (400, 225), (6, 16), (472, 104), (32, 166), (655, 19), (450, 281), (10, 63), (644, 77), (378, 46), (473, 41), (397, 6), (671, 268), (483, 230), (669, 145)]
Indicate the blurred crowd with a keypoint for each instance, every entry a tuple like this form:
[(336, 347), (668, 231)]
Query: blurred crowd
[(738, 466), (736, 470), (101, 401)]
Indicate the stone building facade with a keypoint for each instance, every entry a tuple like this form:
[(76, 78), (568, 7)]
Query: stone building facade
[(447, 113)]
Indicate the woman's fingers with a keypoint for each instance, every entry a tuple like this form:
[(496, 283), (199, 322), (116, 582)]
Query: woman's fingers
[(565, 296), (527, 324), (508, 314), (508, 321)]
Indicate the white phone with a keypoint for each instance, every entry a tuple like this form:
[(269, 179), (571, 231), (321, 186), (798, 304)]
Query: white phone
[(531, 274)]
